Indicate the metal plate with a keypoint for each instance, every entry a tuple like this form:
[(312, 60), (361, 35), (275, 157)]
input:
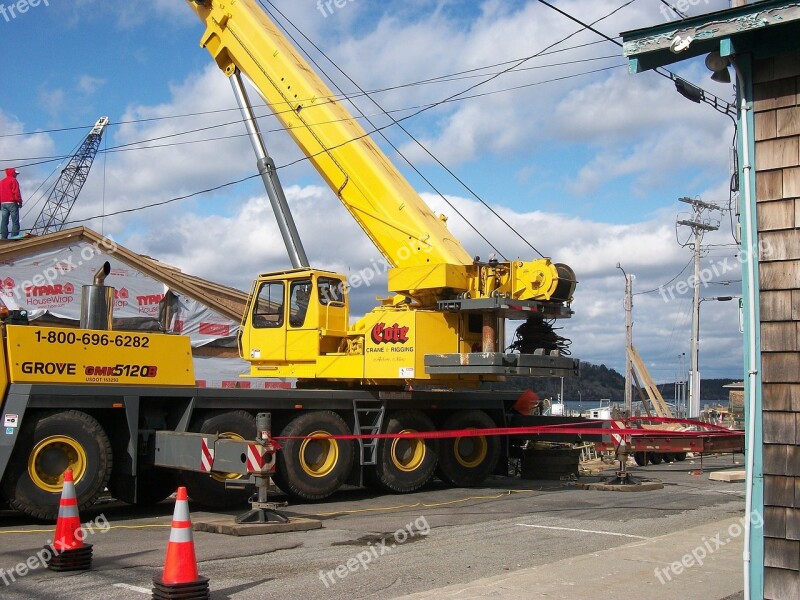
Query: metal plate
[(498, 363)]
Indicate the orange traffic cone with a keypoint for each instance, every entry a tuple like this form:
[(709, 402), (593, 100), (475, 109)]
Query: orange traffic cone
[(180, 578), (68, 552)]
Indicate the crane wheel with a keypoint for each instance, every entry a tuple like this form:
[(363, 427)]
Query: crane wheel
[(655, 457), (310, 468), (404, 464), (467, 461), (640, 458), (49, 444), (153, 485), (680, 456), (209, 490)]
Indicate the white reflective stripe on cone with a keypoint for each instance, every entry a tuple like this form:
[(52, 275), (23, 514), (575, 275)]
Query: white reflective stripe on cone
[(181, 514), (68, 511), (180, 534)]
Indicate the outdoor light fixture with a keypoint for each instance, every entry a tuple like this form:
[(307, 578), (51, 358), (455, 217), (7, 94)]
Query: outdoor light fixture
[(680, 44), (719, 67)]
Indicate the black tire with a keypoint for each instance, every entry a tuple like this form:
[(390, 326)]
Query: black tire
[(468, 461), (152, 486), (669, 457), (309, 469), (640, 458), (49, 443), (209, 490), (655, 457), (680, 456), (155, 485), (405, 465)]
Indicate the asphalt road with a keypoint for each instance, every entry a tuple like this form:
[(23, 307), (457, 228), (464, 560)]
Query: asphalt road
[(449, 536)]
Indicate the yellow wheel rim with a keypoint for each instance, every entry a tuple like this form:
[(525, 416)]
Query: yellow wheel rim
[(470, 452), (319, 457), (408, 453), (221, 477), (51, 457)]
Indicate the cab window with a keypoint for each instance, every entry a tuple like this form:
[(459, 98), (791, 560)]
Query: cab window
[(299, 296), (268, 310), (331, 291)]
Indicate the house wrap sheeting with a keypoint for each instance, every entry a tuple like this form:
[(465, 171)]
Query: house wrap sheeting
[(49, 282)]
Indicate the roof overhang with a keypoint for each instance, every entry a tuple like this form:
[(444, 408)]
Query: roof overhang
[(769, 25)]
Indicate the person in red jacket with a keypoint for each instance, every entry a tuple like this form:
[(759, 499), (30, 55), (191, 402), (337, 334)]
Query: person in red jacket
[(10, 203)]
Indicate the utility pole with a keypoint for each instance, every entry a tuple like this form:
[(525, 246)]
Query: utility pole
[(699, 226), (628, 338)]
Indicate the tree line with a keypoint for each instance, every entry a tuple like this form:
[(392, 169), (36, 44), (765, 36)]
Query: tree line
[(597, 382)]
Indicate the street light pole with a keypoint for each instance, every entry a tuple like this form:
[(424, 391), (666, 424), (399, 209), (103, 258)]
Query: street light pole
[(683, 384), (694, 382), (694, 398)]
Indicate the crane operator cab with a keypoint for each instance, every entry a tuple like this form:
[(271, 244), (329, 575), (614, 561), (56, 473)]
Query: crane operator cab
[(292, 318)]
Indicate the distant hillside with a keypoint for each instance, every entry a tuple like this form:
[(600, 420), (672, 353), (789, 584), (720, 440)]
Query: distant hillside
[(598, 382)]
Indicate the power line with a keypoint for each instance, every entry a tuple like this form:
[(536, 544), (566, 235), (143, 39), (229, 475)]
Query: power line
[(33, 205), (224, 185), (720, 105), (164, 202), (35, 161), (674, 9), (386, 139), (455, 97), (460, 94), (455, 76), (663, 285)]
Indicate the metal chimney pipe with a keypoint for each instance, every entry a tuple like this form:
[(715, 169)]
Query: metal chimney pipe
[(102, 273), (97, 302)]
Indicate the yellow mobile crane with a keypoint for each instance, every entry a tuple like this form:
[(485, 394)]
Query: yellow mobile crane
[(442, 323), (121, 409)]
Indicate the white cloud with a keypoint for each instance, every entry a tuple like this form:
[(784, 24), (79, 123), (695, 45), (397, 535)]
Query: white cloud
[(126, 15), (22, 148), (51, 100), (89, 85)]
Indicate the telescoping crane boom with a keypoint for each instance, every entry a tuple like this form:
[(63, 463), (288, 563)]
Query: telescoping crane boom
[(444, 322)]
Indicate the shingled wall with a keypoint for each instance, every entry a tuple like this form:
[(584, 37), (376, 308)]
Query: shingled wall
[(777, 124)]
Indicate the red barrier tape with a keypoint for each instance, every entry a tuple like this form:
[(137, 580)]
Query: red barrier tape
[(593, 428)]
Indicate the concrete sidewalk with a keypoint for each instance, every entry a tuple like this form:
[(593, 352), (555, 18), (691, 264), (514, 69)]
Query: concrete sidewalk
[(643, 569)]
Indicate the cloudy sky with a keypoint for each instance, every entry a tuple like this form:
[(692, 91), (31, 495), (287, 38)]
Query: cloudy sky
[(584, 160)]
